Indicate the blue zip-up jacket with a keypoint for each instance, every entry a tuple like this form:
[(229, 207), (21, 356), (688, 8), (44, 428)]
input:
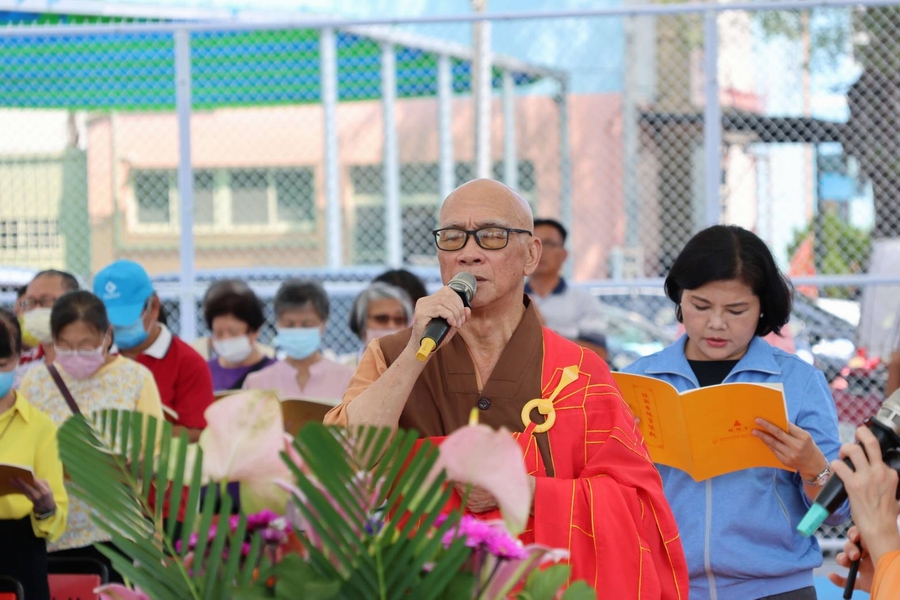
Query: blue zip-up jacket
[(739, 530)]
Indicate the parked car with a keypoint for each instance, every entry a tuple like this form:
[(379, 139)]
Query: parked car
[(630, 335)]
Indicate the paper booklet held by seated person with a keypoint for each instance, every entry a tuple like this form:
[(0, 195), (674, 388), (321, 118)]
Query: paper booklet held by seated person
[(8, 472), (297, 412), (706, 431)]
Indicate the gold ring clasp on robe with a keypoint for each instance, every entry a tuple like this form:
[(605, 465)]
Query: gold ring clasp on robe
[(545, 405)]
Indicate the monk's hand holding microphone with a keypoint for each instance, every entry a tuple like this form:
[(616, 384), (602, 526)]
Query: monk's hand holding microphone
[(438, 316)]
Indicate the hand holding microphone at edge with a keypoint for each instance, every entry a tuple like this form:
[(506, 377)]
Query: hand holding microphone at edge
[(871, 484), (438, 316), (884, 429)]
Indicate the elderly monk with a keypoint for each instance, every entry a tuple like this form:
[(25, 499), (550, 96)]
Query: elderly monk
[(596, 491)]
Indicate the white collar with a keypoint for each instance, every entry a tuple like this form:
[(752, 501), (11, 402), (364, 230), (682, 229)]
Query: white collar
[(160, 347)]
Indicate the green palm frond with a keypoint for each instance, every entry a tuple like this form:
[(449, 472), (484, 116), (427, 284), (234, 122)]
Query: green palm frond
[(346, 476), (347, 479), (111, 468)]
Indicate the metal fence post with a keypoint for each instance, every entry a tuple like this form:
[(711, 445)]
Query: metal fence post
[(510, 157), (565, 168), (188, 320), (481, 91), (712, 120), (328, 84), (392, 212), (445, 126)]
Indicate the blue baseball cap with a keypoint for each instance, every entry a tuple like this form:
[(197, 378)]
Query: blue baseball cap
[(124, 287)]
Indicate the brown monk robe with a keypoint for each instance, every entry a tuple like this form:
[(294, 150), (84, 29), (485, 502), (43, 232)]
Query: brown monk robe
[(447, 390)]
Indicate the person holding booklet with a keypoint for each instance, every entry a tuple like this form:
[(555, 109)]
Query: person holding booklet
[(739, 529), (33, 499), (95, 380)]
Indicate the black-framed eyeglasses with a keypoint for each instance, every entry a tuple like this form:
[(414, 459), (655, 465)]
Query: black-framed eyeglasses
[(489, 238), (42, 302)]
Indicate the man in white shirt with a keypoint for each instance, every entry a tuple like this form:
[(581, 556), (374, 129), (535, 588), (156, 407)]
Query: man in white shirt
[(569, 311)]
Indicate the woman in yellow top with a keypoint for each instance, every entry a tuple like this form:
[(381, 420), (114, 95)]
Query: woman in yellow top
[(82, 336), (872, 488), (31, 512)]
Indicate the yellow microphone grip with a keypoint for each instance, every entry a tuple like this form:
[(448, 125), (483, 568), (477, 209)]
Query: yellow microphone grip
[(425, 349)]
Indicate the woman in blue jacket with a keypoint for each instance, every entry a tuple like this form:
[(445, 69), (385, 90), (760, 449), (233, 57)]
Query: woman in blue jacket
[(739, 530)]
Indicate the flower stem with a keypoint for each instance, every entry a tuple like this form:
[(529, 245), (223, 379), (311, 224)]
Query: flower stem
[(482, 588)]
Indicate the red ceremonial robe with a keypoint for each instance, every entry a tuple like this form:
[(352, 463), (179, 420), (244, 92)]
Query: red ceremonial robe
[(597, 492)]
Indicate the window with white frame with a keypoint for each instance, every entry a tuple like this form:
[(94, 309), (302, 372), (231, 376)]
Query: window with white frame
[(227, 199)]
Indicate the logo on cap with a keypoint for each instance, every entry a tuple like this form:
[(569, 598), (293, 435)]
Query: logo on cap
[(112, 291)]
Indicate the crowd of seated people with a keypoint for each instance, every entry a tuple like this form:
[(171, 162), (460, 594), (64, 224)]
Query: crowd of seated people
[(66, 350)]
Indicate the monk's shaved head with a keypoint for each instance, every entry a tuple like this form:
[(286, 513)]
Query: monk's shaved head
[(509, 205)]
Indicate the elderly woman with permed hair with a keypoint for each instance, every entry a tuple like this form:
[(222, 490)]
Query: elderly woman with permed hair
[(379, 310)]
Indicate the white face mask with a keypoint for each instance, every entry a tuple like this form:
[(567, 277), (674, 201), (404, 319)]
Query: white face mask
[(374, 334), (233, 350), (37, 323)]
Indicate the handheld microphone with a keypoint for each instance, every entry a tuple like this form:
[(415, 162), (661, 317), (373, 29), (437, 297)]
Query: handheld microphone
[(891, 459), (463, 284), (885, 426)]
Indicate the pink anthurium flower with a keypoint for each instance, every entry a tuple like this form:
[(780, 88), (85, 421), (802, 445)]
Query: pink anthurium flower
[(241, 442), (117, 591), (492, 460)]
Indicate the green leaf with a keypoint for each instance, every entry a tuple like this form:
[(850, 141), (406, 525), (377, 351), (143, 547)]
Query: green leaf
[(461, 586), (126, 496), (543, 584), (246, 576), (579, 590), (296, 579), (344, 476)]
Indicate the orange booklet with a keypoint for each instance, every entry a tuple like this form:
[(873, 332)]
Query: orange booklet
[(706, 431), (9, 472)]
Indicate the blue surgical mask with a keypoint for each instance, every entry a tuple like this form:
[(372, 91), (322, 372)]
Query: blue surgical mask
[(7, 378), (298, 342), (130, 336)]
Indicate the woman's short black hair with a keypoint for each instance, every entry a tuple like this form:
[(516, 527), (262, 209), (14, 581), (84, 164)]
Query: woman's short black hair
[(224, 286), (10, 334), (298, 293), (728, 252), (80, 305), (242, 305), (406, 280)]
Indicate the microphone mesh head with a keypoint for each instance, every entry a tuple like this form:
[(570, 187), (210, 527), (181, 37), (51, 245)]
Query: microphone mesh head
[(889, 413), (464, 283)]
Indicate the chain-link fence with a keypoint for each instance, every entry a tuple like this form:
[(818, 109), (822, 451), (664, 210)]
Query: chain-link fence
[(266, 150)]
